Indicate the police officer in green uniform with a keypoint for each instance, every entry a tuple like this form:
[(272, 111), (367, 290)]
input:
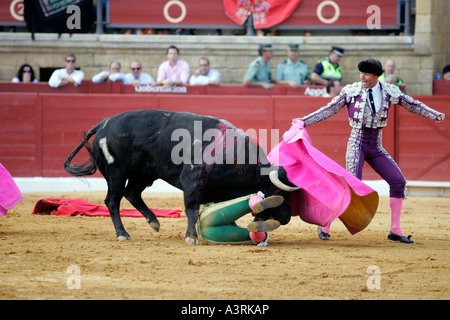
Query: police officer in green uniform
[(292, 71), (328, 69), (259, 72)]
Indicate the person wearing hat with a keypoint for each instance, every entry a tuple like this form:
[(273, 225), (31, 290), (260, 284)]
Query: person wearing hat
[(259, 72), (292, 71), (368, 103), (328, 69)]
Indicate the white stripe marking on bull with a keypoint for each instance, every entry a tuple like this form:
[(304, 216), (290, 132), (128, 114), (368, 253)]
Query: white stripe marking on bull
[(104, 146)]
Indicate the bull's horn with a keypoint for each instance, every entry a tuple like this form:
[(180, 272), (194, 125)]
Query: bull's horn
[(273, 176)]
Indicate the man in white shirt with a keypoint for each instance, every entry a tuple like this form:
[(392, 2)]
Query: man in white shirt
[(67, 75), (111, 75), (204, 76), (137, 77)]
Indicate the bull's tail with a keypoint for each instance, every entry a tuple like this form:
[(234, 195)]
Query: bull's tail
[(90, 166)]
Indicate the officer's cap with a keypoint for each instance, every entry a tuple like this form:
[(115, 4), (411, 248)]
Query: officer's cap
[(293, 46), (338, 50), (265, 46)]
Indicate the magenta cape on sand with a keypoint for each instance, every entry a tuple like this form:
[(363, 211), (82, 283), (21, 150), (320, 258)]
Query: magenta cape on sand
[(10, 194), (328, 191), (75, 207)]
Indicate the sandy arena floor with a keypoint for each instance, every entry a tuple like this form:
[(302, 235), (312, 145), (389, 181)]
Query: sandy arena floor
[(37, 252)]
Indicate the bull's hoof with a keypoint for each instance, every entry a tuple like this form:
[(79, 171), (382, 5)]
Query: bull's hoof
[(191, 240), (120, 238), (155, 225)]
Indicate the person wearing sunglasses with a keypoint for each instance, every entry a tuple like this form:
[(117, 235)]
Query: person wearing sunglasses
[(25, 74), (68, 75), (137, 77)]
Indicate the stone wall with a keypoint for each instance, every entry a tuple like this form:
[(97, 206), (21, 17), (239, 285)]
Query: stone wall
[(418, 58), (432, 36)]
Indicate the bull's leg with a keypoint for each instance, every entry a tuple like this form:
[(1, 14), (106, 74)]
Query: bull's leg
[(112, 201), (192, 184), (192, 207), (133, 193)]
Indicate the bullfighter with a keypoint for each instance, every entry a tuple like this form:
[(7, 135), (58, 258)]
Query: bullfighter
[(368, 103), (216, 224)]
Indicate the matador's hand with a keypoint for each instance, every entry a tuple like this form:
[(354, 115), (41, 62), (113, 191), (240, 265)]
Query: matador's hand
[(440, 118)]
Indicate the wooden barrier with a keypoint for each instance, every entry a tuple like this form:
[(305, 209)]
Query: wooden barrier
[(39, 130), (441, 87), (84, 87), (117, 87), (422, 146)]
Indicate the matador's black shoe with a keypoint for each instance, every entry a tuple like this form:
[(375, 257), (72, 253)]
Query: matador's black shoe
[(323, 235), (395, 237)]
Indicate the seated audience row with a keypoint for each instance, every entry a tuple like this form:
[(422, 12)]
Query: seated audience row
[(171, 72), (174, 71)]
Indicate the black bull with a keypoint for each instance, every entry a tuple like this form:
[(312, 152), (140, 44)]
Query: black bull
[(206, 157)]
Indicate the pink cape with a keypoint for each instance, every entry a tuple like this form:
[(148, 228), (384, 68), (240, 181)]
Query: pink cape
[(328, 191), (74, 207), (10, 194)]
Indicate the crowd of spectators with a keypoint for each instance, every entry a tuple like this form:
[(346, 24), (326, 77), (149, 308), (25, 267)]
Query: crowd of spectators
[(292, 71)]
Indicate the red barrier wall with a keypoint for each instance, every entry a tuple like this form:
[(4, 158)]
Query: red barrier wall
[(422, 146), (441, 87), (117, 87), (39, 130)]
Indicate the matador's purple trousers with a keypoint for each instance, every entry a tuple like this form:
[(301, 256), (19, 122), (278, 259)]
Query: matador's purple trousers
[(365, 145)]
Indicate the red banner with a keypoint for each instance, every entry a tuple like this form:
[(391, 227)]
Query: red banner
[(266, 13), (285, 14), (329, 14), (167, 13), (11, 12)]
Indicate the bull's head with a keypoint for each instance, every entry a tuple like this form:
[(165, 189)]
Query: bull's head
[(278, 185)]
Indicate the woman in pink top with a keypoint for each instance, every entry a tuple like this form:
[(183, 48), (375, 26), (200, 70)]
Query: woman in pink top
[(173, 71)]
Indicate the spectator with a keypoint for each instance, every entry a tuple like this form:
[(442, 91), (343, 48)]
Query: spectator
[(68, 75), (173, 71), (204, 76), (25, 74), (137, 77), (111, 75), (389, 68), (390, 78), (446, 72), (328, 68), (259, 72), (333, 88), (292, 71)]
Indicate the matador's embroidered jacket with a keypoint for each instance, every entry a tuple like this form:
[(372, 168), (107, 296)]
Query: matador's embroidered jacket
[(354, 96)]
